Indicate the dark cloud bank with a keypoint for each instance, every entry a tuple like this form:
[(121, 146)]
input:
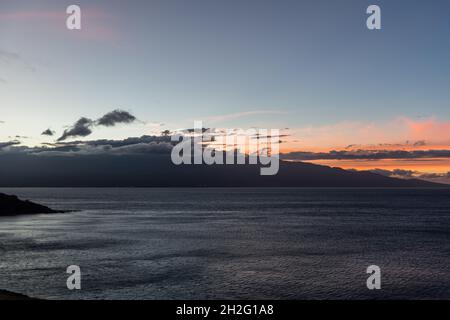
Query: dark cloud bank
[(8, 144), (366, 155)]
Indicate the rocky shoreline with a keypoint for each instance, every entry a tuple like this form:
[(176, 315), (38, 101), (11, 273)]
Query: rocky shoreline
[(11, 296), (11, 206)]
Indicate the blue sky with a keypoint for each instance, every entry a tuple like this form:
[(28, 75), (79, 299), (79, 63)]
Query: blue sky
[(303, 63)]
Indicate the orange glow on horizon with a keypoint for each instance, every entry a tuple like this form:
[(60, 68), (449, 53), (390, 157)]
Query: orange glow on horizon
[(430, 165)]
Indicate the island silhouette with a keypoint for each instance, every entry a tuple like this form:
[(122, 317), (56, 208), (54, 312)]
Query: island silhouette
[(147, 170)]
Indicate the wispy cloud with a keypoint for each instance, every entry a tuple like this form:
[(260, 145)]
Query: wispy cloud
[(237, 115), (15, 59), (367, 155), (428, 129)]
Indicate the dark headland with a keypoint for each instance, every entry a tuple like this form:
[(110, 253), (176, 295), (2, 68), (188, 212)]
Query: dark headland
[(11, 296), (12, 205)]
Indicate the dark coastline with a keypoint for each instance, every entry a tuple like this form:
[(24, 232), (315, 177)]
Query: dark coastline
[(11, 205), (11, 296)]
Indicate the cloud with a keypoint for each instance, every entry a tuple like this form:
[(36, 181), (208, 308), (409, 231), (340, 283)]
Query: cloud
[(9, 56), (400, 131), (86, 150), (114, 117), (268, 136), (81, 128), (420, 143), (12, 58), (132, 145), (118, 143), (8, 144), (396, 173), (401, 173), (155, 124), (233, 116), (84, 126), (144, 148), (129, 146), (428, 129), (412, 174), (48, 132), (366, 154), (193, 130)]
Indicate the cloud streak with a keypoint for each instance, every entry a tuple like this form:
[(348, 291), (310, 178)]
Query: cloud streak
[(366, 155), (234, 116), (12, 58)]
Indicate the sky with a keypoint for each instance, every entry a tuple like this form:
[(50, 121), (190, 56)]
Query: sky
[(311, 68)]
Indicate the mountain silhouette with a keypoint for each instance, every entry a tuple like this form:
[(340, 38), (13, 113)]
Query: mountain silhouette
[(158, 171), (11, 205)]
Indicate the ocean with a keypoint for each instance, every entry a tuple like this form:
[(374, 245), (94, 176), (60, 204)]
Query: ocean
[(219, 243)]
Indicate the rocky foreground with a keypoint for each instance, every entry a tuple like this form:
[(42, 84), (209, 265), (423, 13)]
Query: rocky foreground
[(12, 205), (11, 296)]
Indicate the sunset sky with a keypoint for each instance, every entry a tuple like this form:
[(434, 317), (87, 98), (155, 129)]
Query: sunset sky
[(343, 95)]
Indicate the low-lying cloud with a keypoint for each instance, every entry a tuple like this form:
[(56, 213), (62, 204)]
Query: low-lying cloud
[(412, 174), (8, 144), (130, 146), (365, 154)]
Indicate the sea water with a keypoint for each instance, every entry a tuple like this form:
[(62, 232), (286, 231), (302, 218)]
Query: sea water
[(274, 243)]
